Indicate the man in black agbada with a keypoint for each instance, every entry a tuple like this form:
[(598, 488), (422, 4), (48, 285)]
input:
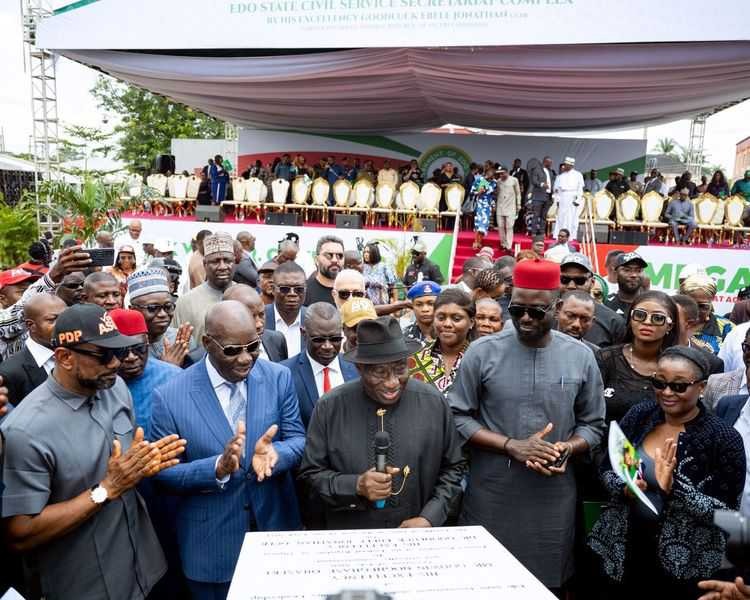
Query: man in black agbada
[(424, 462)]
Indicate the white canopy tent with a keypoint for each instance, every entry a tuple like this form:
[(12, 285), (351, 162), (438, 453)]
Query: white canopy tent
[(407, 65)]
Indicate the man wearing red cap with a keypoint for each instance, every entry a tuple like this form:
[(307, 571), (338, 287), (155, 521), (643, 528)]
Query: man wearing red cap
[(525, 400)]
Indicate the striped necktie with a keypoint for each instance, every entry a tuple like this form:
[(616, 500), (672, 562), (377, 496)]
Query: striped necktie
[(237, 404)]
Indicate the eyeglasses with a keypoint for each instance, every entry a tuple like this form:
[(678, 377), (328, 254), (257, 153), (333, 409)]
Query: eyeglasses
[(705, 306), (344, 294), (287, 289), (745, 347), (332, 255), (236, 349), (167, 307), (640, 315), (72, 286), (322, 339), (535, 312), (678, 387), (138, 349), (578, 280), (385, 371), (105, 356)]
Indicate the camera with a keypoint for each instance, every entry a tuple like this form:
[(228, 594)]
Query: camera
[(737, 528)]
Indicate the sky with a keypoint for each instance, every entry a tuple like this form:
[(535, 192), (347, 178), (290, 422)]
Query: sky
[(77, 106)]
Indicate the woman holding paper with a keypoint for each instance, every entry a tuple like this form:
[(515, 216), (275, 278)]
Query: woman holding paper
[(691, 464)]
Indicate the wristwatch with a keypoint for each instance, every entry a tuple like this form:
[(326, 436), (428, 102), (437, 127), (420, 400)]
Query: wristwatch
[(99, 495)]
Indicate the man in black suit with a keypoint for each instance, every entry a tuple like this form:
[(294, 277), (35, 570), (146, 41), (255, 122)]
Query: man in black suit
[(29, 367), (286, 313), (246, 270), (273, 344)]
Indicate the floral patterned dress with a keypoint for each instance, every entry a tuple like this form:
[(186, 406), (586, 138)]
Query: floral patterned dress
[(484, 191), (379, 280)]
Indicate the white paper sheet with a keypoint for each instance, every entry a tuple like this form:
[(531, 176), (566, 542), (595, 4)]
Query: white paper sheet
[(451, 563)]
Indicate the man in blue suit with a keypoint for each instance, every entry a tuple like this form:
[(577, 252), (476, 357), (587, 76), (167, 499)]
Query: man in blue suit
[(227, 488), (318, 368)]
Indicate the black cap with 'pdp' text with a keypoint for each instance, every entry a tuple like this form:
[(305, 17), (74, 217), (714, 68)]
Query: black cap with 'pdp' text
[(88, 324)]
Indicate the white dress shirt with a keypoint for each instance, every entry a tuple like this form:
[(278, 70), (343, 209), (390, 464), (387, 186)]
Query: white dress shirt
[(335, 376), (731, 350), (549, 179), (223, 389), (43, 357), (291, 332)]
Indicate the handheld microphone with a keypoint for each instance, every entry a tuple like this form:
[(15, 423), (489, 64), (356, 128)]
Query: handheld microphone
[(382, 444)]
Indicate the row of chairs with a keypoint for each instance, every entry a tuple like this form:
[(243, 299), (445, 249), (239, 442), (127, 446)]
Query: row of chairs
[(713, 216), (319, 199)]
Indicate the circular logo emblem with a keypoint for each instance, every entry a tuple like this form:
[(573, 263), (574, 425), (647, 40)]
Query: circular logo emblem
[(437, 156)]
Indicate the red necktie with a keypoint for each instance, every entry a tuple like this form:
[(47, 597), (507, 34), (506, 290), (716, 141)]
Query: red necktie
[(326, 380)]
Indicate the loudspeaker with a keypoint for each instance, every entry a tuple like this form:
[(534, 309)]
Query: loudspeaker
[(286, 219), (349, 221), (209, 213), (429, 225), (601, 233), (634, 238), (164, 163)]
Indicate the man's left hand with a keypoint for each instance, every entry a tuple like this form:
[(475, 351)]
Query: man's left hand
[(415, 522), (565, 449), (265, 456)]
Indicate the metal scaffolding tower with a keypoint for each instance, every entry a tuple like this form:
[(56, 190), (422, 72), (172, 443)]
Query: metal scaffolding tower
[(41, 66), (695, 157)]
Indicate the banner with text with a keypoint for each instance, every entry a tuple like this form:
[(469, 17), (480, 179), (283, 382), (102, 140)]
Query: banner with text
[(117, 25), (394, 245)]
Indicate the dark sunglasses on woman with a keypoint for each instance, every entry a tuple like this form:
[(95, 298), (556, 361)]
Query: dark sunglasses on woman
[(678, 387), (640, 315)]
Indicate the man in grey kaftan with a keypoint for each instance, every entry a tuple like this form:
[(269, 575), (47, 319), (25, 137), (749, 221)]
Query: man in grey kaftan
[(510, 387)]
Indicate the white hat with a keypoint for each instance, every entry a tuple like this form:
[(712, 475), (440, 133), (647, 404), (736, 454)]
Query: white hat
[(570, 161), (691, 269)]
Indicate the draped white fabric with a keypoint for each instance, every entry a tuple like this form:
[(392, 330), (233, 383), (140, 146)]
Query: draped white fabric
[(530, 88)]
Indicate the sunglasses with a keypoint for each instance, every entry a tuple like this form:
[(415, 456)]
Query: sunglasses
[(535, 312), (678, 387), (640, 315), (105, 356), (322, 339), (72, 286), (287, 289), (705, 306), (344, 294), (578, 280), (236, 349), (167, 307), (745, 347), (332, 255)]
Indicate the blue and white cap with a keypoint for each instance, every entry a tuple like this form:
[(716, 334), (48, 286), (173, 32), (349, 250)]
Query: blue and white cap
[(148, 281), (423, 288)]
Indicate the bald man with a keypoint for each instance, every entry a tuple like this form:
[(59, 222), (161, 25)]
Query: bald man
[(30, 367), (348, 284), (241, 416), (273, 344)]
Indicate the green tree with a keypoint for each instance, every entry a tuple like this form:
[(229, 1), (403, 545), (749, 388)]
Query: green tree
[(18, 229), (666, 146), (148, 122)]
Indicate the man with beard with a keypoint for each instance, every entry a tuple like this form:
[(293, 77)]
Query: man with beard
[(525, 400), (421, 267), (629, 270), (218, 260), (329, 259), (423, 476), (246, 438), (72, 460)]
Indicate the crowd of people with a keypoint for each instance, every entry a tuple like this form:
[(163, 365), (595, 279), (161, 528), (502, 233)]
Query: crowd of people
[(150, 420), (509, 198)]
